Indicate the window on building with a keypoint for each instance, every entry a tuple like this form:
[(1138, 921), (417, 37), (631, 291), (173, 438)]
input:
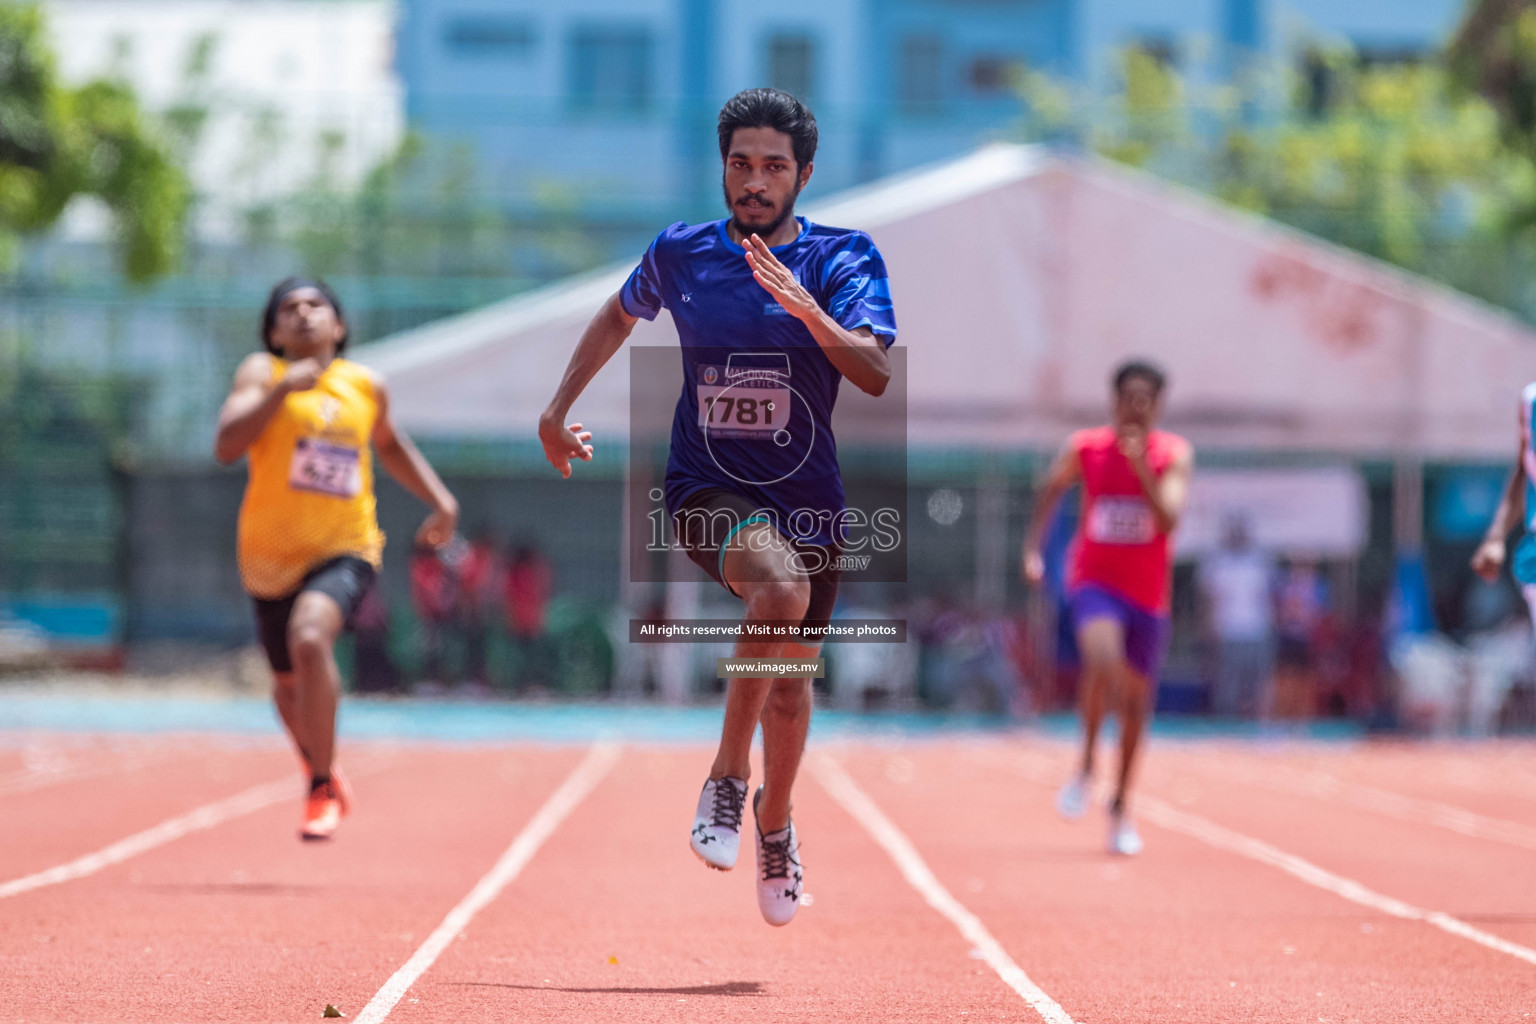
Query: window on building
[(792, 65), (611, 69), (990, 75), (1319, 82), (1160, 48), (1378, 54), (1322, 70), (489, 36), (920, 85)]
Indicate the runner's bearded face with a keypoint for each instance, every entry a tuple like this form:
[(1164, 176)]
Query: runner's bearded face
[(307, 327), (761, 180), (1137, 404)]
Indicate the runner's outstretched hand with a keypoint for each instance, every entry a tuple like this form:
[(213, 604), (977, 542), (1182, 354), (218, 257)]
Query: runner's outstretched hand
[(1132, 441), (1488, 560), (776, 278), (438, 528), (302, 374), (562, 444)]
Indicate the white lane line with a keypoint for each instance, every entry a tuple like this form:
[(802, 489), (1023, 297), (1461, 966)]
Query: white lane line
[(1323, 786), (201, 819), (915, 870), (1161, 813), (540, 827), (49, 774)]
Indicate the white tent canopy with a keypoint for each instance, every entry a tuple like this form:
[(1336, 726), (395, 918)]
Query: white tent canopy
[(1020, 280)]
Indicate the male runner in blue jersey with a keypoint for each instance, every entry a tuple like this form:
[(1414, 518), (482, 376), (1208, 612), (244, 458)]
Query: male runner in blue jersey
[(772, 312)]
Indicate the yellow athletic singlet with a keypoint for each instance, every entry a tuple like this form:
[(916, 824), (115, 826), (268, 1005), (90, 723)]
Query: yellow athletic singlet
[(309, 496)]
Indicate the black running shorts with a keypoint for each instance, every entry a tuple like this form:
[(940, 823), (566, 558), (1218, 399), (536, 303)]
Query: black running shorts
[(344, 580), (709, 518)]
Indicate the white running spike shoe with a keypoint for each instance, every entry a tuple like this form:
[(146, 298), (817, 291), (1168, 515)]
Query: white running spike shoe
[(779, 878), (1124, 840), (716, 835), (1072, 799)]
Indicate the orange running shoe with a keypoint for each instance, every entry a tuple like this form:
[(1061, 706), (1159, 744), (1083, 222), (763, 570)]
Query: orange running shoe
[(322, 813), (343, 787), (343, 790)]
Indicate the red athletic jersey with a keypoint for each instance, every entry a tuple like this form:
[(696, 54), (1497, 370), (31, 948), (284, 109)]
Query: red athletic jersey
[(1119, 546)]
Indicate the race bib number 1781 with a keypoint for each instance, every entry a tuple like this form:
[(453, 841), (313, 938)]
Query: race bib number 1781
[(749, 402), (745, 409)]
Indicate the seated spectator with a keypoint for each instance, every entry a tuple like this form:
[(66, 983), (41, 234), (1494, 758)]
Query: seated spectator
[(526, 589), (1301, 608), (375, 672), (433, 598), (1235, 590), (475, 608)]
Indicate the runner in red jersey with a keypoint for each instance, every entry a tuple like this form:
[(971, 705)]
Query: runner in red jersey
[(1135, 480)]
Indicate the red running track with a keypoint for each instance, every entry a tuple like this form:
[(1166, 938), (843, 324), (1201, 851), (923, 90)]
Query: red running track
[(611, 918)]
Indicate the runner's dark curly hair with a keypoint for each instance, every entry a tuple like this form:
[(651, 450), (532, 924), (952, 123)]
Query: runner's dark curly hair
[(770, 108), (281, 291), (1140, 368)]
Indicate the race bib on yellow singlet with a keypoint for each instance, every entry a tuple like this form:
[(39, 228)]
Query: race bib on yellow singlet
[(744, 405), (1121, 520), (325, 468)]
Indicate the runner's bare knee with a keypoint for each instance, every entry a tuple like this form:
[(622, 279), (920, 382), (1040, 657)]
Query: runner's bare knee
[(308, 645), (784, 600), (1135, 693), (1101, 643), (788, 698), (312, 630)]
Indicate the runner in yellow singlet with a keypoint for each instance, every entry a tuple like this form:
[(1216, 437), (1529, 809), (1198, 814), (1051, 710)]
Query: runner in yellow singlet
[(309, 542)]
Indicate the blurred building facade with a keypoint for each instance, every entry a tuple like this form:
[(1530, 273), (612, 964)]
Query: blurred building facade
[(615, 99), (610, 104)]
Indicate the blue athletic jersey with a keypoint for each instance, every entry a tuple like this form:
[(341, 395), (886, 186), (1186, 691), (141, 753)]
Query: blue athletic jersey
[(1524, 565), (755, 413)]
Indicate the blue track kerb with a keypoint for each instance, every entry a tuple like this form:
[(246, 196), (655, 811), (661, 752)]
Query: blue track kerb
[(468, 721), (437, 719)]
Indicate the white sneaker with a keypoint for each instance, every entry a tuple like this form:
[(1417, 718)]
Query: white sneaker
[(1072, 799), (1124, 840), (778, 871), (716, 835)]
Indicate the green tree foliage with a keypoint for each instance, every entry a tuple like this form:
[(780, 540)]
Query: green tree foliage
[(1394, 161), (57, 143), (1494, 54), (63, 436), (423, 212)]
